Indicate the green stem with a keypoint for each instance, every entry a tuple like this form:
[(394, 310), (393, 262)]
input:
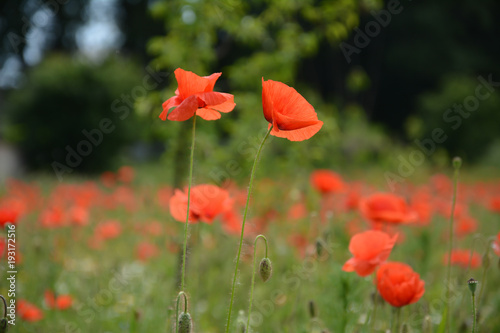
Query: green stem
[(243, 226), (374, 313), (473, 313), (184, 250), (395, 320), (253, 276), (450, 248)]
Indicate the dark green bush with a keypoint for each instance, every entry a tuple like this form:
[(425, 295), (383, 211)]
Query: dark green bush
[(68, 107)]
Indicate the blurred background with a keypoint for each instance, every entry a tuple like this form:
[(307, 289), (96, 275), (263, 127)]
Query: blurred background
[(382, 75)]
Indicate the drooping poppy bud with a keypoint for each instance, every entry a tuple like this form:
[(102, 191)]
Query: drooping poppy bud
[(185, 323), (265, 269)]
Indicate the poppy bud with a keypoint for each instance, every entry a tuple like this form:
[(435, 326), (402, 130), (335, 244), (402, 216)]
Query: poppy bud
[(319, 247), (3, 325), (457, 162), (312, 309), (265, 269), (472, 285), (486, 261), (185, 323)]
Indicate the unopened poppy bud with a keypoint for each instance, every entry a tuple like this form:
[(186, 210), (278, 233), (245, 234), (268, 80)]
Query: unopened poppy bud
[(486, 261), (3, 325), (265, 269), (312, 309), (472, 285), (457, 162), (319, 247), (185, 323)]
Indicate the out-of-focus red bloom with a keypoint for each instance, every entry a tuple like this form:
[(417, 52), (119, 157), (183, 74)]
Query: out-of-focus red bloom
[(108, 179), (52, 217), (207, 201), (61, 302), (386, 208), (3, 247), (28, 311), (326, 181), (10, 210), (465, 225), (369, 249), (78, 215), (146, 250), (163, 195), (398, 284), (297, 211), (125, 174), (108, 230), (154, 228), (495, 204), (496, 245), (421, 203), (291, 116), (195, 95), (464, 258)]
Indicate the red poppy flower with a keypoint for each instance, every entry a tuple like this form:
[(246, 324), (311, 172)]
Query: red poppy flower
[(464, 258), (386, 207), (61, 302), (326, 181), (146, 250), (125, 174), (107, 230), (291, 116), (207, 201), (195, 95), (370, 249), (465, 225), (28, 311), (398, 284)]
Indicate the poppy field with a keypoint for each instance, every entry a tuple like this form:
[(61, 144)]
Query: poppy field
[(315, 251)]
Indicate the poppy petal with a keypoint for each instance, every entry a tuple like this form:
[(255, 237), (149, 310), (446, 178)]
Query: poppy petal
[(168, 104), (299, 134), (227, 106), (208, 114), (211, 81), (185, 110), (190, 83), (212, 98)]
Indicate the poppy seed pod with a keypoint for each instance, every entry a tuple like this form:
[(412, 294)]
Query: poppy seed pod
[(457, 162), (472, 285), (185, 323), (265, 269)]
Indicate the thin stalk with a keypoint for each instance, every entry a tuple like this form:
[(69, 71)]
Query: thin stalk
[(473, 313), (253, 276), (374, 313), (450, 243), (396, 315), (243, 226), (189, 201), (485, 268)]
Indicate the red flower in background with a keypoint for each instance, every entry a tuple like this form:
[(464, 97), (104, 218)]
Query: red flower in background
[(465, 225), (207, 201), (108, 230), (145, 251), (61, 302), (195, 95), (326, 181), (386, 208), (398, 284), (125, 174), (291, 116), (28, 311), (464, 258), (369, 249)]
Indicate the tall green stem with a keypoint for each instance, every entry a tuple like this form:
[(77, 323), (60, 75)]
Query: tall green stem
[(473, 313), (374, 313), (184, 250), (396, 320), (243, 226), (456, 164), (253, 277)]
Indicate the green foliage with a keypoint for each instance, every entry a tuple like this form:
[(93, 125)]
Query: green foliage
[(62, 98), (470, 127)]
